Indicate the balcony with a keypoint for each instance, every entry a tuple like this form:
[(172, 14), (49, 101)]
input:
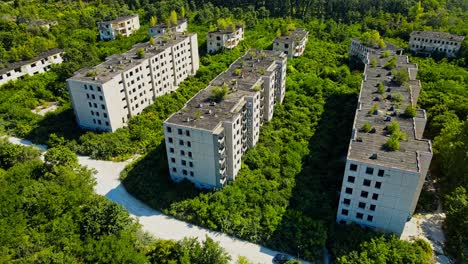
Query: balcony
[(222, 150), (223, 180), (222, 172)]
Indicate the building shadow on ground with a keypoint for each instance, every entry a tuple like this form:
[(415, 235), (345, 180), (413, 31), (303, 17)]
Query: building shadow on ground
[(312, 207)]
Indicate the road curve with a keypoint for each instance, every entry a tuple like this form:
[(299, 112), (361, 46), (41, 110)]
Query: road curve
[(155, 222)]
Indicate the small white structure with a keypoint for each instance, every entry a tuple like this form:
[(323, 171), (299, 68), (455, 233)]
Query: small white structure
[(124, 26), (380, 187), (162, 29), (224, 38), (106, 96), (206, 140), (37, 65), (293, 44), (427, 42)]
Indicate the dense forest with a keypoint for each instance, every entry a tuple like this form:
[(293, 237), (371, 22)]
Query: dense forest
[(50, 214), (286, 193)]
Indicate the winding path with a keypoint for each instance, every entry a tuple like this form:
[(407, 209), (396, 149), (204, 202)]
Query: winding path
[(155, 222)]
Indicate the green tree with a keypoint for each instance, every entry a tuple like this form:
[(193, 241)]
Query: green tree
[(173, 18), (61, 156), (219, 93), (153, 21), (410, 111)]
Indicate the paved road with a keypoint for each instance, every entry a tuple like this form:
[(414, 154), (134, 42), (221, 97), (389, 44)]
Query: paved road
[(155, 222)]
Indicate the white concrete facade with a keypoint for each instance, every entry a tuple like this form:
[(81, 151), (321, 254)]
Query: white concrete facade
[(224, 39), (35, 66), (426, 42), (162, 29), (220, 133), (106, 96), (125, 26), (294, 44)]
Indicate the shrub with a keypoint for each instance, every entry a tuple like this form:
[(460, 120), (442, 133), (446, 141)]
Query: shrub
[(366, 127), (374, 108), (393, 127), (385, 54), (393, 143), (391, 63), (140, 53), (410, 111), (219, 93), (400, 77), (381, 88)]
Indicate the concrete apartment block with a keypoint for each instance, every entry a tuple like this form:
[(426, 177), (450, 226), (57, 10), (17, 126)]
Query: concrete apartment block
[(381, 188), (124, 26), (206, 139), (293, 44), (40, 64), (427, 42), (106, 96), (224, 38), (360, 51), (162, 29)]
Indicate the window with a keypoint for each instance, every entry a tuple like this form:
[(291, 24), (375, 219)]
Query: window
[(107, 123), (87, 96), (369, 170), (190, 164), (353, 167), (99, 89), (347, 201), (351, 179), (191, 173), (359, 215), (179, 131), (184, 163), (189, 144), (364, 194), (344, 212), (366, 182), (375, 196), (372, 207), (99, 122), (381, 173), (184, 172), (190, 154), (370, 218), (173, 160), (378, 185), (169, 129), (100, 98), (174, 169), (170, 140), (171, 150), (349, 190), (103, 107), (181, 142), (362, 205), (92, 113), (187, 133)]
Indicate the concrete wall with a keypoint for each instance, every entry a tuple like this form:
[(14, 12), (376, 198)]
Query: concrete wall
[(418, 44), (216, 41), (109, 31), (199, 155), (39, 66), (393, 203)]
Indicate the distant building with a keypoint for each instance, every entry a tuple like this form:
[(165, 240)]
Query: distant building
[(124, 26), (361, 51), (427, 42), (46, 24), (224, 38), (162, 29), (293, 44), (381, 188), (40, 64), (106, 96), (206, 140)]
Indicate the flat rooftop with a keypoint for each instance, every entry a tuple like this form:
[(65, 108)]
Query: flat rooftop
[(118, 63), (201, 111), (164, 25), (228, 30), (369, 147), (437, 35), (41, 56), (294, 35), (119, 19), (388, 46)]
